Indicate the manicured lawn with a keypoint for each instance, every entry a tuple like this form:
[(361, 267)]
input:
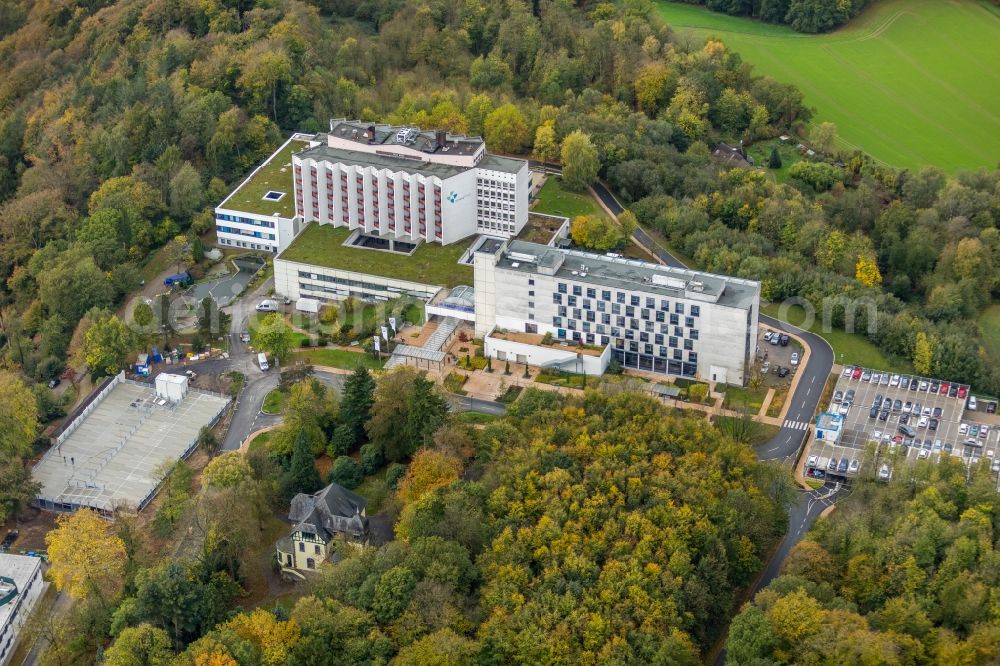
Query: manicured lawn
[(554, 200), (848, 348), (430, 263), (260, 441), (273, 402), (911, 82), (339, 358), (989, 325), (738, 397), (761, 152)]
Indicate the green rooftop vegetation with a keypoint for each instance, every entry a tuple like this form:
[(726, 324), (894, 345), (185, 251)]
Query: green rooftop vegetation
[(276, 175), (430, 263)]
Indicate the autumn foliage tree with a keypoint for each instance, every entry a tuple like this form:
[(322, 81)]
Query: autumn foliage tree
[(87, 558)]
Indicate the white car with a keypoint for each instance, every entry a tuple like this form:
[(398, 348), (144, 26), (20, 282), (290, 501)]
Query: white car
[(927, 411), (972, 402), (812, 461), (876, 435), (848, 371), (884, 472), (876, 377), (922, 423), (795, 358), (894, 381), (963, 429), (996, 465), (989, 453), (766, 367), (767, 336), (923, 454), (844, 408)]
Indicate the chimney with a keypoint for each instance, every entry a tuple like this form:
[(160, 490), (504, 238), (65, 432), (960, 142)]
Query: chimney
[(442, 138)]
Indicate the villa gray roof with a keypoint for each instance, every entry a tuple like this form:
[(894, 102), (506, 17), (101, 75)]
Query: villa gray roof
[(332, 510)]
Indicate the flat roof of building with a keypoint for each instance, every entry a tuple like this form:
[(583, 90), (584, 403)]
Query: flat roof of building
[(111, 457), (274, 175), (323, 153), (501, 163), (621, 273), (412, 137), (323, 245), (20, 569)]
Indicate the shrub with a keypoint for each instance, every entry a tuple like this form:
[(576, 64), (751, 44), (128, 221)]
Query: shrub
[(394, 472), (371, 458), (346, 471)]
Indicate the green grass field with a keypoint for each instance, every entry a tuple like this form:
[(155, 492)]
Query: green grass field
[(339, 358), (911, 82), (989, 326), (554, 200)]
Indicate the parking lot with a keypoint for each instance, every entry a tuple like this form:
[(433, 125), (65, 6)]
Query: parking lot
[(772, 356), (920, 417)]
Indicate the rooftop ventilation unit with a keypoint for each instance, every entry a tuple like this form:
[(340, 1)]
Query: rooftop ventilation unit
[(667, 281), (697, 286), (515, 265), (521, 256)]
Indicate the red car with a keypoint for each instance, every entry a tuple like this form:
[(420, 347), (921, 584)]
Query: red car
[(857, 373), (944, 388), (961, 391)]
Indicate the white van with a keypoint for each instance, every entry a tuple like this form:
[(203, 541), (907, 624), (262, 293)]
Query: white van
[(972, 402), (262, 361), (267, 305)]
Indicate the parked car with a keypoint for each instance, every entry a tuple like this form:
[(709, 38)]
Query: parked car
[(767, 335), (866, 375), (838, 396), (855, 466), (897, 405), (906, 430), (904, 418), (923, 422), (885, 379), (963, 428), (783, 371), (916, 411), (766, 367), (267, 306), (935, 385), (783, 340), (972, 403), (884, 472), (876, 377), (984, 432), (923, 454), (774, 340), (54, 382), (927, 444), (914, 383), (991, 407), (876, 435), (873, 412), (857, 373), (996, 465), (848, 371), (953, 391), (944, 388), (904, 382), (878, 400), (849, 396), (962, 390), (936, 412), (884, 416), (908, 407), (842, 467), (845, 407), (894, 381), (927, 411), (937, 444), (833, 465), (948, 448), (811, 462), (795, 358), (245, 336)]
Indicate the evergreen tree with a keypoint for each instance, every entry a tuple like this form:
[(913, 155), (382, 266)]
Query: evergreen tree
[(304, 477), (774, 161), (425, 413), (356, 405)]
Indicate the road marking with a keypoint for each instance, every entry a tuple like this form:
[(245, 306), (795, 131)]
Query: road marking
[(796, 425)]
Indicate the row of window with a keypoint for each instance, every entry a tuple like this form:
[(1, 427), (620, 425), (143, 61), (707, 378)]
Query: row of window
[(250, 246), (629, 333), (651, 363), (621, 297), (226, 217), (358, 284), (244, 232)]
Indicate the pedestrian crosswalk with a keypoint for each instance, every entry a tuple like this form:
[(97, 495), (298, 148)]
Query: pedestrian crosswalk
[(797, 425)]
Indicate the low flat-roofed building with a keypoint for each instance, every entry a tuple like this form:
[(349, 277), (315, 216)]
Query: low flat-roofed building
[(21, 584)]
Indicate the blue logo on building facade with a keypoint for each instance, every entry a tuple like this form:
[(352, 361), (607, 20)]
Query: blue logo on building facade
[(453, 197)]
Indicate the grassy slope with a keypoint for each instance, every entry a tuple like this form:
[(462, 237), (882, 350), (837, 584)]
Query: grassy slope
[(912, 82), (989, 326), (554, 200)]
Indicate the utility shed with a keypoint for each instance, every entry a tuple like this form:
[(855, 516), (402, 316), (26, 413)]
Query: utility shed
[(310, 305), (171, 387)]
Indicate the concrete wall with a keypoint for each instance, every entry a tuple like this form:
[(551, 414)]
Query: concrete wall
[(341, 284), (562, 358)]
